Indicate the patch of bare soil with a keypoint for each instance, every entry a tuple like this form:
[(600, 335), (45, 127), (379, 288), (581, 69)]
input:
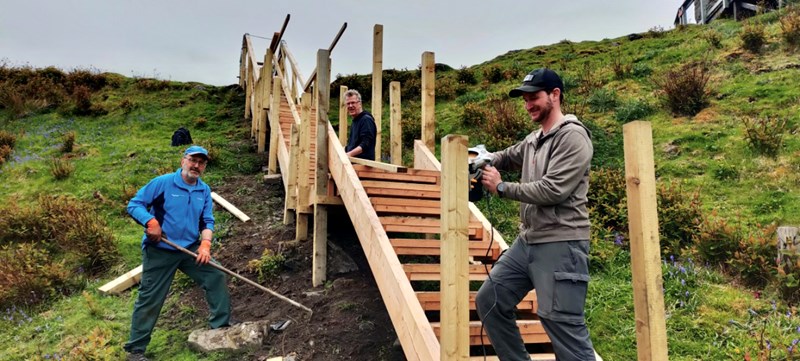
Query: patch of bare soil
[(350, 321)]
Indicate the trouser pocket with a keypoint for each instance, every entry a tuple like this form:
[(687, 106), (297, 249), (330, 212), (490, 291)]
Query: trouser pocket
[(569, 294)]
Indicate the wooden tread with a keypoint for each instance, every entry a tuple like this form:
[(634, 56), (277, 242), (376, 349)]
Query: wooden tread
[(532, 332), (430, 301), (432, 247), (433, 271), (534, 357)]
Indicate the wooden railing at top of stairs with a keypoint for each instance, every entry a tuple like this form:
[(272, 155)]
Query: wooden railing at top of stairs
[(407, 308)]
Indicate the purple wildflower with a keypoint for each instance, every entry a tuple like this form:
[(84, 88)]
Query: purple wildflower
[(769, 345), (618, 240)]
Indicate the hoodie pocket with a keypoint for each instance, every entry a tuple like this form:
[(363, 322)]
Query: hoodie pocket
[(569, 294)]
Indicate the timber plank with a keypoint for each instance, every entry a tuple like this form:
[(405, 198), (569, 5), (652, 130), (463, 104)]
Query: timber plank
[(431, 301), (431, 247), (534, 357), (532, 332), (433, 271)]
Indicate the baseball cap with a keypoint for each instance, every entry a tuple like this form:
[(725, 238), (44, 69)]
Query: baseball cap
[(196, 150), (539, 79)]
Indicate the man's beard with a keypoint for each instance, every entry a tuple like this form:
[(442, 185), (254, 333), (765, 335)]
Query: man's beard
[(544, 112)]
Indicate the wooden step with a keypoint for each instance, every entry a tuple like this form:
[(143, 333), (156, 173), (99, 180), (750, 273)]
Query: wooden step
[(424, 225), (432, 247), (401, 189), (430, 301), (410, 206), (411, 175), (534, 357), (532, 332), (433, 271)]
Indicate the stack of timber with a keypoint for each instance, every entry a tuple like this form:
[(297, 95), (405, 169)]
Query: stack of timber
[(408, 207)]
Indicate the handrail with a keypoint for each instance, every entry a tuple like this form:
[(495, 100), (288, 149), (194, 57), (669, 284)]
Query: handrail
[(313, 75), (292, 62), (252, 55), (287, 92)]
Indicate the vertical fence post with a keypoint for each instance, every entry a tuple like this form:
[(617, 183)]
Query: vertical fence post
[(303, 188), (455, 258), (377, 86), (274, 124), (290, 204), (342, 116), (395, 125), (648, 297), (428, 100), (319, 268), (248, 89)]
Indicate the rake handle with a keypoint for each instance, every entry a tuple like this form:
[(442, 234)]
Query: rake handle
[(243, 278)]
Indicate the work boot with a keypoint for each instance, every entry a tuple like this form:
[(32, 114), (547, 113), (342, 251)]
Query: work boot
[(136, 356)]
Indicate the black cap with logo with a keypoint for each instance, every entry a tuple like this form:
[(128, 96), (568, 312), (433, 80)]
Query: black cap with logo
[(539, 79)]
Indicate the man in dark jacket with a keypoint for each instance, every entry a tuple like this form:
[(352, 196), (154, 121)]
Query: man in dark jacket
[(176, 206), (361, 143), (551, 251)]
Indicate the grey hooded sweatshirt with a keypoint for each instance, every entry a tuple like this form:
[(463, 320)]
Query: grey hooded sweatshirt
[(555, 180)]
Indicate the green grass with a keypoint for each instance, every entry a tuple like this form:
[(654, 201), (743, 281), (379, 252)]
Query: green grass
[(717, 320)]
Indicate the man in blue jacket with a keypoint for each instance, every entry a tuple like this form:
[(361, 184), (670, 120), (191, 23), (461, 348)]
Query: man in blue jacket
[(361, 143), (175, 206)]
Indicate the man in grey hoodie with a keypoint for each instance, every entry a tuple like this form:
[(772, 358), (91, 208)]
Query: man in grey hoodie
[(551, 251)]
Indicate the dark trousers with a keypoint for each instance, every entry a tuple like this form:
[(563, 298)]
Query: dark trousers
[(559, 271), (159, 268)]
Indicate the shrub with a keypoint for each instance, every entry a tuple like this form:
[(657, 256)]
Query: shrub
[(200, 122), (602, 100), (493, 74), (713, 37), (82, 97), (151, 85), (473, 115), (268, 266), (127, 106), (621, 66), (466, 75), (790, 26), (446, 89), (29, 275), (61, 168), (631, 110), (656, 32), (754, 260), (412, 124), (5, 153), (753, 37), (716, 240), (607, 199), (7, 138), (68, 142), (641, 70), (765, 134), (679, 215), (685, 90), (505, 125)]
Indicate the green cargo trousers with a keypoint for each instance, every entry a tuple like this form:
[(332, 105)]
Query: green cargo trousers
[(158, 270)]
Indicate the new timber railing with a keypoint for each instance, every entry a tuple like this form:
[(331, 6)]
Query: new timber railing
[(420, 215)]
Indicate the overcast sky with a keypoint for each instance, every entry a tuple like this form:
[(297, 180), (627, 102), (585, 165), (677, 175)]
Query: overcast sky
[(200, 40)]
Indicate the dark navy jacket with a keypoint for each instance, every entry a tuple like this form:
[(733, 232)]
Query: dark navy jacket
[(182, 210), (362, 133)]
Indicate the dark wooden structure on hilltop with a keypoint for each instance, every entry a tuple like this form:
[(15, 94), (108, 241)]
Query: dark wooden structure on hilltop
[(704, 11)]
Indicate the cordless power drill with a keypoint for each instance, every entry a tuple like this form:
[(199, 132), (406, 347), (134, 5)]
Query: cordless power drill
[(478, 158)]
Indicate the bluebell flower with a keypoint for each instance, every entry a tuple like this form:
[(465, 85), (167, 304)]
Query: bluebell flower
[(687, 294), (769, 345), (683, 283), (682, 269)]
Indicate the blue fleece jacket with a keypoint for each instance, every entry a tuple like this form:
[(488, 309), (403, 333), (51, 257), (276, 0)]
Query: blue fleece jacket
[(183, 210)]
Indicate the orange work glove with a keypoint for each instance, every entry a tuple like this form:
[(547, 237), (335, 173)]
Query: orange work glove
[(153, 230), (204, 252)]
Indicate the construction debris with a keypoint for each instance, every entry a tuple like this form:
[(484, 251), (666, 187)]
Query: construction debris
[(230, 207)]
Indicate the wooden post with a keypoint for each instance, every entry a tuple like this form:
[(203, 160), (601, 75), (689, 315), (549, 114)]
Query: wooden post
[(248, 90), (242, 63), (377, 86), (290, 205), (455, 258), (303, 189), (703, 11), (342, 116), (428, 100), (648, 297), (322, 89), (274, 124), (787, 242), (395, 125)]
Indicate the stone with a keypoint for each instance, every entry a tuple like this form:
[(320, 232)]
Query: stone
[(339, 261), (240, 337)]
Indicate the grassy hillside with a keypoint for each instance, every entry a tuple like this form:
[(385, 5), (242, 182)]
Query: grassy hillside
[(736, 149)]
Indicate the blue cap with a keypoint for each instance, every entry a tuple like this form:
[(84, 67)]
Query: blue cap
[(196, 150)]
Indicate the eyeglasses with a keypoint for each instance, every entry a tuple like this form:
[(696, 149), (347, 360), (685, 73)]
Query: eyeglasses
[(197, 161), (352, 103)]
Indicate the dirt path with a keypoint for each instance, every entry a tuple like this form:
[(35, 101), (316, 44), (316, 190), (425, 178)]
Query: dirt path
[(350, 321)]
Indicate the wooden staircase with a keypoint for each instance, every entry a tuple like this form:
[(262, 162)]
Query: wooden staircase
[(408, 207)]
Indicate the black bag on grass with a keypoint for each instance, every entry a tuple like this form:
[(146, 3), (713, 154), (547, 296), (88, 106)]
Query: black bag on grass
[(181, 137)]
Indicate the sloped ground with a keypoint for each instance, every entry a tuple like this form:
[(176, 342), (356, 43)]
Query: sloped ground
[(350, 321)]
